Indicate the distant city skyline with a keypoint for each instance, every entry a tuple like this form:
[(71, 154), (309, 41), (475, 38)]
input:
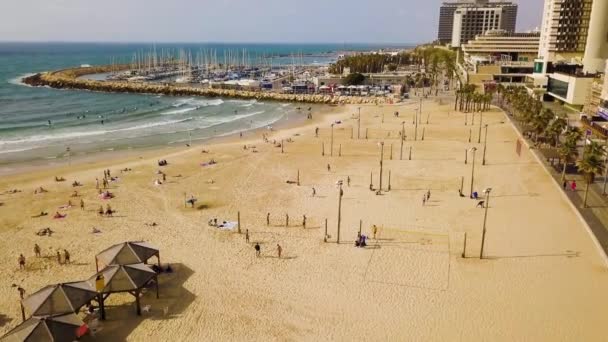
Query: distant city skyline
[(242, 21)]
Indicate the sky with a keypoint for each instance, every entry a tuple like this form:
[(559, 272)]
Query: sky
[(301, 21)]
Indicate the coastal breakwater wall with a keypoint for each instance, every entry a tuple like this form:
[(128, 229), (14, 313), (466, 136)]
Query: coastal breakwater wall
[(69, 79)]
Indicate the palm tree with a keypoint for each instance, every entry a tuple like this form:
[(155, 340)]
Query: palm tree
[(590, 164), (569, 150)]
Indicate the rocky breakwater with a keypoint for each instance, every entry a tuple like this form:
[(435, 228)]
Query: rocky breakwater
[(69, 79)]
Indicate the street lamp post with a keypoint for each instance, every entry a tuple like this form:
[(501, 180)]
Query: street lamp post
[(332, 141), (480, 124), (485, 145), (416, 128), (402, 139), (340, 194), (474, 149), (485, 218), (381, 163), (359, 124)]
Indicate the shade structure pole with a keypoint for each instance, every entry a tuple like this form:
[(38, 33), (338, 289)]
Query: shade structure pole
[(137, 303), (156, 279)]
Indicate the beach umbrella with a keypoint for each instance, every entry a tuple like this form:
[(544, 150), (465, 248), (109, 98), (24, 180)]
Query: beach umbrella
[(63, 328), (59, 299), (126, 253)]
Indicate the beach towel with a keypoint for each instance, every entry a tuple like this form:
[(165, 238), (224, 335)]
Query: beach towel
[(227, 225)]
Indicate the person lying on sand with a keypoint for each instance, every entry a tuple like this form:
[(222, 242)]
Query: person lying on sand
[(13, 191), (76, 183), (59, 216), (45, 232), (153, 224), (95, 231), (42, 213), (40, 190), (75, 193), (59, 179)]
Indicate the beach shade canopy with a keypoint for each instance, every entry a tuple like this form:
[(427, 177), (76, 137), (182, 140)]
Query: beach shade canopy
[(127, 253), (59, 299), (63, 328), (122, 278)]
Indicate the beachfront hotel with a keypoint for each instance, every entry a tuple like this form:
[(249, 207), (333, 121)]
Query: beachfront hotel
[(499, 57), (573, 50), (461, 21)]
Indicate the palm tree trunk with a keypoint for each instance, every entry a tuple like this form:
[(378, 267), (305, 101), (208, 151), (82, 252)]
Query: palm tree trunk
[(564, 170), (586, 194)]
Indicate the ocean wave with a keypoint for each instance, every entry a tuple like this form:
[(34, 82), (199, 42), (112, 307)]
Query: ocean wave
[(179, 111), (19, 80), (198, 103), (74, 135)]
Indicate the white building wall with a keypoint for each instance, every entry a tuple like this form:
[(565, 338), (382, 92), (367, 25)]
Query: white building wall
[(596, 49)]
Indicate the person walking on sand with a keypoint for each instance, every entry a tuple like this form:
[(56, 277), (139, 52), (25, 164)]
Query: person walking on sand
[(37, 250), (58, 257), (573, 185), (81, 204), (286, 220), (328, 168), (374, 231), (314, 192), (279, 250), (21, 261), (423, 199), (428, 195), (257, 249), (96, 183), (268, 219), (247, 235), (66, 256), (316, 132), (304, 221), (348, 180)]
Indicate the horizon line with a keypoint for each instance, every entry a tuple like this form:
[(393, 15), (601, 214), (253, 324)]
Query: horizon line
[(203, 42)]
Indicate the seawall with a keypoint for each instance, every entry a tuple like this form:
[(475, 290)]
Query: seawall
[(69, 79)]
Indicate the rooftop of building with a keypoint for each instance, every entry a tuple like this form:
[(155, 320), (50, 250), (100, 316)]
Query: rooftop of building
[(467, 3)]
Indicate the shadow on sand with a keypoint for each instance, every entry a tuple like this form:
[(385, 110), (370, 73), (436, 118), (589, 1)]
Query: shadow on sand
[(174, 299)]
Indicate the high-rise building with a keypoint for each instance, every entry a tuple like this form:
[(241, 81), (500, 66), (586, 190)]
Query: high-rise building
[(573, 48), (461, 21)]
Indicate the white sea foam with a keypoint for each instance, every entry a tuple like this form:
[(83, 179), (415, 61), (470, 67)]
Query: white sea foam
[(19, 80), (199, 103), (74, 135), (178, 111)]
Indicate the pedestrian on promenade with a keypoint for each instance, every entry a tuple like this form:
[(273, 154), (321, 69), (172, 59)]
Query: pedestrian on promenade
[(573, 185), (565, 184)]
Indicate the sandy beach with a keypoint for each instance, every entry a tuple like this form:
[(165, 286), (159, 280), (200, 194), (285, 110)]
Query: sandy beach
[(542, 279)]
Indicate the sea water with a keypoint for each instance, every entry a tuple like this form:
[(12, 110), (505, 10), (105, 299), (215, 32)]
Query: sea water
[(43, 123)]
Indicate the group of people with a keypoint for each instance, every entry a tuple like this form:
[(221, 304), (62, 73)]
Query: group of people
[(426, 197), (21, 260), (108, 212)]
